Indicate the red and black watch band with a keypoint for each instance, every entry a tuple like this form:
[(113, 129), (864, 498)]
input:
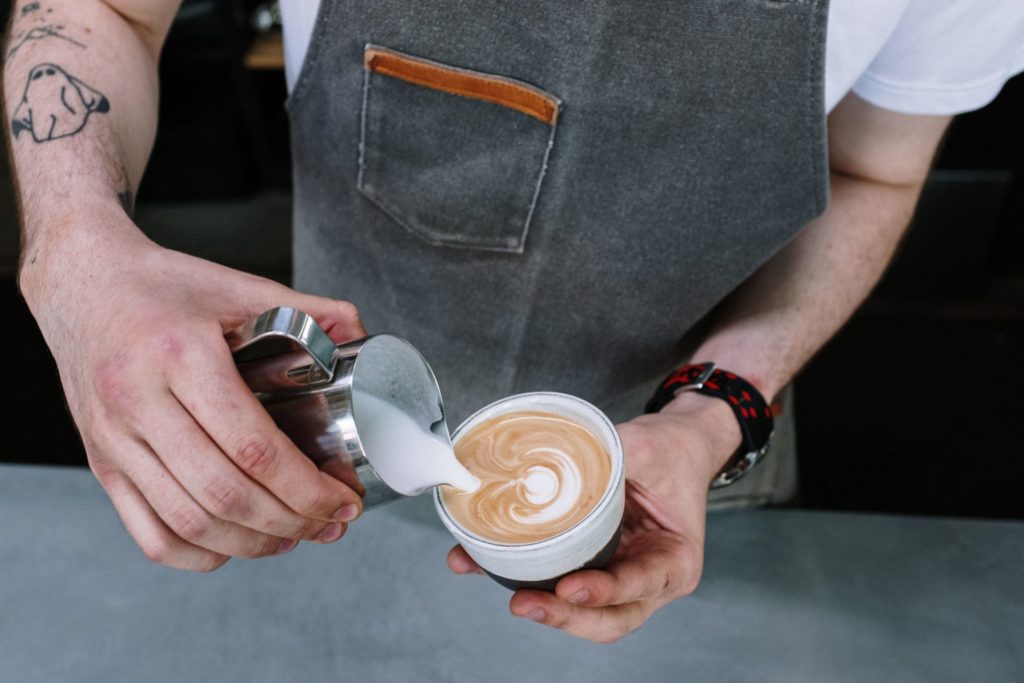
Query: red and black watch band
[(748, 405)]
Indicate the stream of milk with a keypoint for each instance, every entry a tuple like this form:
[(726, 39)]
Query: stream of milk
[(407, 456)]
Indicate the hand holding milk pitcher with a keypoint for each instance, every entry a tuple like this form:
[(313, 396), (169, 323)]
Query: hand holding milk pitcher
[(543, 494)]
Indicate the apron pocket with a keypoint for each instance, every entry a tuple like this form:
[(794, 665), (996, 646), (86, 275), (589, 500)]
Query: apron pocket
[(457, 157)]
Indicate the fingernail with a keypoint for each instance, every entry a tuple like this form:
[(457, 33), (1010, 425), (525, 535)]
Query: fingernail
[(346, 513), (582, 595), (286, 544), (537, 614), (331, 533)]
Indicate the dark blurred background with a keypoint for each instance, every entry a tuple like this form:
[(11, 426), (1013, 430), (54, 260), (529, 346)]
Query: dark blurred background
[(915, 407)]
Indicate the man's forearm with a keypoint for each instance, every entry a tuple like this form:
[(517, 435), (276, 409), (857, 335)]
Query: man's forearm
[(768, 329), (794, 304), (80, 90), (775, 322), (771, 326)]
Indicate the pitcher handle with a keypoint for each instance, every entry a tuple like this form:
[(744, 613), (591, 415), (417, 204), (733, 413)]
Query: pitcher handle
[(290, 324)]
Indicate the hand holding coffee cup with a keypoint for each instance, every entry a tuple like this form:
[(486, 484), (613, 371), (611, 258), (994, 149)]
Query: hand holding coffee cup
[(670, 459)]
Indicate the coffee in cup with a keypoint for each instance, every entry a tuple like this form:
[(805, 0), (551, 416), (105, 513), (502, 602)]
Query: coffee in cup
[(541, 473), (552, 491)]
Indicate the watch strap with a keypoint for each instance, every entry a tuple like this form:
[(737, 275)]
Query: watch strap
[(752, 412)]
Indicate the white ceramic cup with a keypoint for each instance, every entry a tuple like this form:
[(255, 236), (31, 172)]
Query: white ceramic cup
[(588, 544)]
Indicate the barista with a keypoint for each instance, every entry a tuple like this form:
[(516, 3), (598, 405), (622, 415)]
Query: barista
[(685, 165)]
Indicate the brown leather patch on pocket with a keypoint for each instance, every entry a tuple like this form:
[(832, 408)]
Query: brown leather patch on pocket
[(455, 81)]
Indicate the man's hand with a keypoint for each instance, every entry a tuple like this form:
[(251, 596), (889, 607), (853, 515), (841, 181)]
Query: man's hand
[(195, 467), (671, 458)]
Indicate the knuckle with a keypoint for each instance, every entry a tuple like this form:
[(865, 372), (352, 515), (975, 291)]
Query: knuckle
[(100, 431), (684, 577), (607, 638), (226, 499), (164, 346), (560, 621), (688, 584), (347, 311), (257, 455), (262, 547), (109, 478), (312, 500), (213, 563), (158, 549), (622, 629), (106, 456), (310, 530), (113, 383), (269, 546), (291, 525), (190, 523), (610, 629)]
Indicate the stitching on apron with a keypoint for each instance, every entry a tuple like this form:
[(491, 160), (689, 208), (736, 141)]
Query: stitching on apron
[(536, 190), (362, 132), (499, 90)]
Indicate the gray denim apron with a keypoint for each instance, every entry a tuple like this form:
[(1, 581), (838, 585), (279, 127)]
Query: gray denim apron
[(569, 250)]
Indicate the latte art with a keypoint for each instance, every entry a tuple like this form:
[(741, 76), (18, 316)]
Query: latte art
[(540, 474)]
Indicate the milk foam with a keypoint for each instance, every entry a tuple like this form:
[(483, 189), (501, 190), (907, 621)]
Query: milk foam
[(541, 474), (406, 455), (553, 487)]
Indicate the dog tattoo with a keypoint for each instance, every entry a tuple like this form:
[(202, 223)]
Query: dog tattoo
[(40, 33), (55, 104)]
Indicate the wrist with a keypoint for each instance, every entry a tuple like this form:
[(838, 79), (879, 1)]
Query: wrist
[(752, 413), (63, 248), (713, 419)]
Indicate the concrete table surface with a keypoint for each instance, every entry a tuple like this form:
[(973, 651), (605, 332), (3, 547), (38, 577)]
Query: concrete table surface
[(786, 596)]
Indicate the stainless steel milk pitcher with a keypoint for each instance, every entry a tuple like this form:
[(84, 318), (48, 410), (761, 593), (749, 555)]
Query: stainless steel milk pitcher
[(306, 383)]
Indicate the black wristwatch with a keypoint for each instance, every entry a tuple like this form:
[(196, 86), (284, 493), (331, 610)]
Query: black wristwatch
[(747, 403)]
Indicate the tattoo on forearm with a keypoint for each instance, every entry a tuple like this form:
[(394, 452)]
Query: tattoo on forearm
[(127, 201), (55, 104), (40, 33)]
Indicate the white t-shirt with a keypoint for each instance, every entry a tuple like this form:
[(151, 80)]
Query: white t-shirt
[(911, 56)]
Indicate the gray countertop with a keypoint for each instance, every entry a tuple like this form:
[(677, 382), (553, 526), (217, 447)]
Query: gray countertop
[(786, 596)]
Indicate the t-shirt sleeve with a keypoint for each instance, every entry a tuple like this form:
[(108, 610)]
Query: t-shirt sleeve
[(947, 56)]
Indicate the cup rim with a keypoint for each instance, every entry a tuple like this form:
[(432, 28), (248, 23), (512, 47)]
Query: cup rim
[(606, 499)]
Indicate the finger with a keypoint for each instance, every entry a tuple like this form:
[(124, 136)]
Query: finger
[(210, 478), (631, 580), (599, 624), (460, 562), (662, 572), (234, 419), (188, 520), (340, 319), (150, 533)]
